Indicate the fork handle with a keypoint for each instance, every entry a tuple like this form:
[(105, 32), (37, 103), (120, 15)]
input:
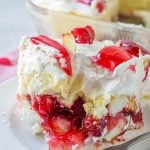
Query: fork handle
[(138, 139)]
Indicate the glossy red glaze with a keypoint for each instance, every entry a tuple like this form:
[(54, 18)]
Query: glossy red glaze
[(133, 48), (62, 123), (113, 121), (100, 6), (137, 117), (5, 61), (63, 52), (110, 57), (83, 35), (94, 127)]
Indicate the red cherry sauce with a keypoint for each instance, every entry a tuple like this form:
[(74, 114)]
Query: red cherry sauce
[(111, 56), (71, 126), (62, 123), (94, 126), (64, 54), (83, 35)]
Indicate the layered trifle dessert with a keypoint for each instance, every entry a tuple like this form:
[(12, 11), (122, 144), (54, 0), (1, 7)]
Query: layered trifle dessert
[(79, 91)]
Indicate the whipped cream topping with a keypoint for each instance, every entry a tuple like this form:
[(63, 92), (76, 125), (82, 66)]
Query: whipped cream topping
[(39, 73), (72, 6)]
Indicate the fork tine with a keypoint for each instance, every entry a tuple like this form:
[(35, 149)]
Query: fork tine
[(127, 145)]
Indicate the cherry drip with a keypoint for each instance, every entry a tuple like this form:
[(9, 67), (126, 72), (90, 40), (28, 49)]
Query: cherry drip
[(5, 61), (133, 48), (64, 54), (83, 35)]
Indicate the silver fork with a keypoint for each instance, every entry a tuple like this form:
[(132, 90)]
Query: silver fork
[(130, 143)]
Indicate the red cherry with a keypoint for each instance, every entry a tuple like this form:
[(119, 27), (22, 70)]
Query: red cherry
[(84, 35), (110, 57), (5, 61), (133, 48), (137, 117), (87, 2), (93, 126), (100, 6), (62, 50), (113, 121)]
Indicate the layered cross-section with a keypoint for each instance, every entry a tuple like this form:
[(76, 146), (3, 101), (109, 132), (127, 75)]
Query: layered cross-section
[(79, 90)]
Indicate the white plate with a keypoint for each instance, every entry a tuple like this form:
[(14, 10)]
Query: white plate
[(16, 135)]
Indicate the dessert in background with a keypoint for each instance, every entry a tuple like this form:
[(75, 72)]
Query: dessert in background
[(135, 11), (81, 91), (127, 7), (55, 17), (106, 10)]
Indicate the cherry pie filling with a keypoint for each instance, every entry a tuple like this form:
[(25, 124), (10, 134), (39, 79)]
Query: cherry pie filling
[(72, 126)]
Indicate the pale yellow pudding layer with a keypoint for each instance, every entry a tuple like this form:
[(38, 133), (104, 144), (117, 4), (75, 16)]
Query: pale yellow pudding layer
[(128, 6)]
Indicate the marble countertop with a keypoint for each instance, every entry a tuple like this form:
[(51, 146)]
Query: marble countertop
[(15, 22)]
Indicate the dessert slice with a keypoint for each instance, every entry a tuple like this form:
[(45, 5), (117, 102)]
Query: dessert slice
[(80, 91)]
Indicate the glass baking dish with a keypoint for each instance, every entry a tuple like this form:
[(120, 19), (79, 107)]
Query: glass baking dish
[(53, 23)]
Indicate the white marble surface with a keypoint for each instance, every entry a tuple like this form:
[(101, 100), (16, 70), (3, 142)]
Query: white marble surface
[(15, 22)]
